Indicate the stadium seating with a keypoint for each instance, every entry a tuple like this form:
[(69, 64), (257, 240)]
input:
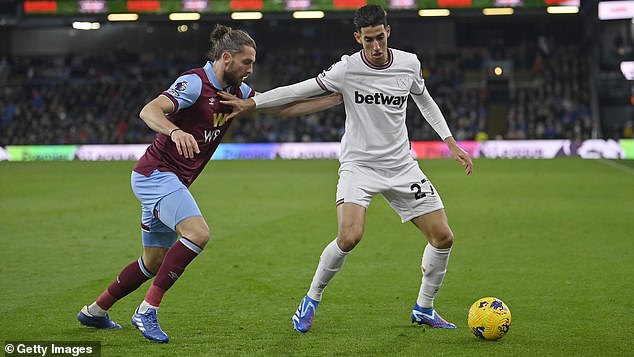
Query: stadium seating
[(96, 99)]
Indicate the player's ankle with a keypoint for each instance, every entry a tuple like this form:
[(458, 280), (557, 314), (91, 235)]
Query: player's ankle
[(145, 306), (96, 310)]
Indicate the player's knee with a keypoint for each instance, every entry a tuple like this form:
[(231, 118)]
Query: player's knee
[(152, 262), (349, 238), (154, 265), (443, 240), (200, 235)]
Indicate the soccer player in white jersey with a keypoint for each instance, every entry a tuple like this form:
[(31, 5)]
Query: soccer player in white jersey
[(375, 157)]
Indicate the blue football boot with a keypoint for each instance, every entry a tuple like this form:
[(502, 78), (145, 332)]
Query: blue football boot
[(429, 317), (303, 318), (149, 326), (87, 319)]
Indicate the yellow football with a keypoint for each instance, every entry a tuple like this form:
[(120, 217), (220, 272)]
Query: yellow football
[(489, 318)]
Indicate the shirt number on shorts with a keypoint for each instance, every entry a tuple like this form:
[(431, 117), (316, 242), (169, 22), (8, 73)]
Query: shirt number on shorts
[(418, 189)]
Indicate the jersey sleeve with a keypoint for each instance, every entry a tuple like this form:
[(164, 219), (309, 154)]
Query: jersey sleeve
[(332, 79), (418, 84), (286, 94), (432, 114), (184, 92)]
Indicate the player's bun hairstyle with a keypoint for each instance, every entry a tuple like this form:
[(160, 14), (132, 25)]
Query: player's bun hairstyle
[(369, 15), (224, 38)]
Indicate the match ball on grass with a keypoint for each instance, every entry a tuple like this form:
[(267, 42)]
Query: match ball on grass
[(489, 318)]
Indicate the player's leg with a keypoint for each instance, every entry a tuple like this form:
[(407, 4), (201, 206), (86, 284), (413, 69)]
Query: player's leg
[(153, 257), (180, 211), (434, 267), (194, 234), (351, 223), (133, 275), (128, 280), (351, 207), (415, 199), (351, 219)]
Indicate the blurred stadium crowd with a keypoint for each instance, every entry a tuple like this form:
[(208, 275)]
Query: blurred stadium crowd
[(96, 99)]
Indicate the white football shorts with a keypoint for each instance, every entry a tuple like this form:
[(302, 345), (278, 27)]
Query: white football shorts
[(406, 188)]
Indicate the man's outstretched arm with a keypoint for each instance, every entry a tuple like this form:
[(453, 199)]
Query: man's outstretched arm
[(307, 106), (275, 97)]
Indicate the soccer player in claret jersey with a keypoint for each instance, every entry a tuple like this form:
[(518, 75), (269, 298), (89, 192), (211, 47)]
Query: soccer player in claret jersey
[(190, 122), (375, 157)]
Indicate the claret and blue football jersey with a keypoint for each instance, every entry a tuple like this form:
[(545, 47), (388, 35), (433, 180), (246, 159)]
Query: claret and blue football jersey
[(197, 111)]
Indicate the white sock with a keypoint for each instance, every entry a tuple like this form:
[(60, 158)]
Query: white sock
[(95, 310), (330, 262), (145, 306), (434, 267)]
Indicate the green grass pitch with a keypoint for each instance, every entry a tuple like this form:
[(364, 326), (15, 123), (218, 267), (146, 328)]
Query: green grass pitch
[(554, 239)]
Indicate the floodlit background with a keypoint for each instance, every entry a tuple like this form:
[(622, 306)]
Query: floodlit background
[(552, 236)]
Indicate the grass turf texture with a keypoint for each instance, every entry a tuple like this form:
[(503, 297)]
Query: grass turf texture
[(552, 238)]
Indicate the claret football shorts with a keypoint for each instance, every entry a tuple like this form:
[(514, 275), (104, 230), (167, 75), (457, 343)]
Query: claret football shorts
[(406, 188), (165, 202)]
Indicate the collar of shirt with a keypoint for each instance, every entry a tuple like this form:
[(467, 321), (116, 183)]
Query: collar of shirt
[(211, 75)]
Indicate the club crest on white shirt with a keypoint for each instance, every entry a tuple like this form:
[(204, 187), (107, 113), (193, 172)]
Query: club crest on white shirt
[(403, 82)]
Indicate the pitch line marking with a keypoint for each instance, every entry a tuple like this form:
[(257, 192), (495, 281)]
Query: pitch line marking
[(618, 166)]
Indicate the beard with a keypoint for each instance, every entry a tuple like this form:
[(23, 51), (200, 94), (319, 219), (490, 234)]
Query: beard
[(232, 78)]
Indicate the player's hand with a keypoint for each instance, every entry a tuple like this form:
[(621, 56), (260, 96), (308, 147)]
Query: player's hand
[(185, 143), (460, 155), (239, 106)]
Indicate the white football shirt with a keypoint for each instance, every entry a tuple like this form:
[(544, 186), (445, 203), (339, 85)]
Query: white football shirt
[(375, 100)]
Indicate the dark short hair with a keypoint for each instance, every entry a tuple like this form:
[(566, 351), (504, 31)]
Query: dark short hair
[(369, 15), (224, 38)]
